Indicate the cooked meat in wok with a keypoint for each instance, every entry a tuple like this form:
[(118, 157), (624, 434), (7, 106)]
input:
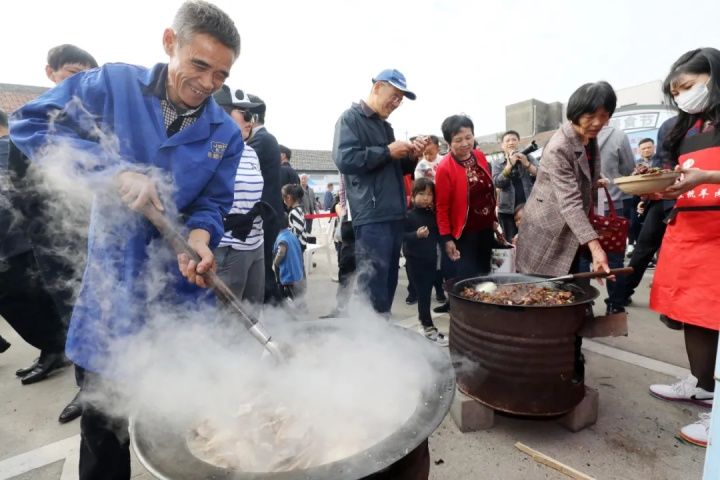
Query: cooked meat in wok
[(521, 295)]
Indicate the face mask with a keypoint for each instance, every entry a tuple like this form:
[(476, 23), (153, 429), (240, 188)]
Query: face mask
[(694, 100)]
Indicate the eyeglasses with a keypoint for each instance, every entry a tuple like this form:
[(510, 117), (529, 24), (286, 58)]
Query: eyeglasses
[(395, 97), (247, 116)]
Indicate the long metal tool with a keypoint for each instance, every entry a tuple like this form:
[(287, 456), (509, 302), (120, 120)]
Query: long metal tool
[(489, 287), (223, 292)]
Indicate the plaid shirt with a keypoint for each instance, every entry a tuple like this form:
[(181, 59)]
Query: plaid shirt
[(173, 116)]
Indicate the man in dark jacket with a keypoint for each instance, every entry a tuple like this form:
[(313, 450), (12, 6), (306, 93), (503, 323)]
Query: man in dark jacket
[(366, 152), (268, 151), (288, 175)]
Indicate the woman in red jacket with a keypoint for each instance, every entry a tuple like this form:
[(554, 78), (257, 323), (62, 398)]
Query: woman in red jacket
[(465, 205)]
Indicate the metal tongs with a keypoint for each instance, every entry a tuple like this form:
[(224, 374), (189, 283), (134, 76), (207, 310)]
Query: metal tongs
[(490, 287), (223, 292)]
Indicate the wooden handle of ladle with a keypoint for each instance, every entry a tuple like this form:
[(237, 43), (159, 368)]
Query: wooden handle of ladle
[(601, 274), (181, 246)]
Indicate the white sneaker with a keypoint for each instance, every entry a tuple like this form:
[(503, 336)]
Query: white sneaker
[(431, 333), (686, 390), (697, 433)]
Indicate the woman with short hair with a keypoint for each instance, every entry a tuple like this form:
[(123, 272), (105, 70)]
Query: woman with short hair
[(556, 230), (465, 204)]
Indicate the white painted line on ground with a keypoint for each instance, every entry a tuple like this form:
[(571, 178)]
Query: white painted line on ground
[(70, 469), (635, 359), (51, 453)]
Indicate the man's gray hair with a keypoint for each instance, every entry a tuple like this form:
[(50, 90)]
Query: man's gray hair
[(197, 16)]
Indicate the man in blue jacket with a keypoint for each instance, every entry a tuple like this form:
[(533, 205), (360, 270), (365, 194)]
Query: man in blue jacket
[(167, 126), (366, 152)]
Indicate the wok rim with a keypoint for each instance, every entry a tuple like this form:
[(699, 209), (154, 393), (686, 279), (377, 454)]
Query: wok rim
[(456, 285), (433, 406)]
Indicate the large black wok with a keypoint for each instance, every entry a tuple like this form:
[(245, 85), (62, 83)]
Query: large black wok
[(162, 448)]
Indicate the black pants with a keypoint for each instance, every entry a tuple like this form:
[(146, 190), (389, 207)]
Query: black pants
[(646, 246), (636, 222), (475, 253), (104, 440), (701, 345), (507, 222), (422, 273), (272, 291), (28, 307), (346, 264)]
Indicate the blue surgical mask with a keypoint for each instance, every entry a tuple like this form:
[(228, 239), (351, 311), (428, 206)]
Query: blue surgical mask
[(694, 100)]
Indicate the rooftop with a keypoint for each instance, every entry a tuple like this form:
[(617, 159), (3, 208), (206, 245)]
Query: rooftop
[(14, 96), (312, 161)]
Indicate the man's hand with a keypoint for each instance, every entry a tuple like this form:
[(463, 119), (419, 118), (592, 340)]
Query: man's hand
[(192, 270), (602, 183), (419, 146), (641, 208), (519, 157), (422, 232), (400, 149), (452, 251), (137, 190)]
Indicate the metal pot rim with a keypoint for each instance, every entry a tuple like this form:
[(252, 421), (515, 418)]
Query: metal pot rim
[(431, 410), (454, 286)]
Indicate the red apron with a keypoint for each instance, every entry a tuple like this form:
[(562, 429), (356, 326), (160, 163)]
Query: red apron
[(685, 286)]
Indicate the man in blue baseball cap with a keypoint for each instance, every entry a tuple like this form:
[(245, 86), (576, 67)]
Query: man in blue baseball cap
[(373, 163)]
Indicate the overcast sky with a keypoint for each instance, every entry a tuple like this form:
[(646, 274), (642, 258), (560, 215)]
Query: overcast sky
[(310, 59)]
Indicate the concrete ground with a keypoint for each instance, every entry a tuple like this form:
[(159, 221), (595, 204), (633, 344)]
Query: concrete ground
[(634, 437)]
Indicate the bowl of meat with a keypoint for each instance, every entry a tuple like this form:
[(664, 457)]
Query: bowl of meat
[(646, 180)]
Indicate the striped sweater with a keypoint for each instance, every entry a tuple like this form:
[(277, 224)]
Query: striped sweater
[(296, 220), (248, 190)]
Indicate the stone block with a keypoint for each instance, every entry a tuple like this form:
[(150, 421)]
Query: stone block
[(584, 414), (469, 414)]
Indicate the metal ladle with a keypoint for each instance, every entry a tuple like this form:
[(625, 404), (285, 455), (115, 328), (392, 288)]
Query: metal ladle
[(223, 292), (490, 287)]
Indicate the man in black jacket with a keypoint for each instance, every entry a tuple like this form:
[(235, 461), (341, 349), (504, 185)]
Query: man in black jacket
[(268, 151), (288, 174), (366, 152)]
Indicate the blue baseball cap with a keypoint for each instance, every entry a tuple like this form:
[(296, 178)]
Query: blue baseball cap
[(396, 79)]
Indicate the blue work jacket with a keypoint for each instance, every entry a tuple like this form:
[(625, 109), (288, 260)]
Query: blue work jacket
[(131, 274)]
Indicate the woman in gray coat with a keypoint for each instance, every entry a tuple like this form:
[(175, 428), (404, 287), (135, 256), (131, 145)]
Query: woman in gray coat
[(555, 218), (556, 232)]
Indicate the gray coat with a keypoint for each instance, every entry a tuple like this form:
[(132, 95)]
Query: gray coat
[(506, 198), (555, 219), (617, 160)]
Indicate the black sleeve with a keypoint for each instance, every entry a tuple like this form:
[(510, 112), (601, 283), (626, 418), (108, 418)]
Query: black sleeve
[(268, 151)]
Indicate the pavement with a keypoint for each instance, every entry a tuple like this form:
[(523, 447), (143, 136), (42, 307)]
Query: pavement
[(634, 437)]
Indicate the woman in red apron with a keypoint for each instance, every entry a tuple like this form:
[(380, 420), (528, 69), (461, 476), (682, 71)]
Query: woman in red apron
[(685, 286)]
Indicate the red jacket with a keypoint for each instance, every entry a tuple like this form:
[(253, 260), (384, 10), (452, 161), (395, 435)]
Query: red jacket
[(451, 194)]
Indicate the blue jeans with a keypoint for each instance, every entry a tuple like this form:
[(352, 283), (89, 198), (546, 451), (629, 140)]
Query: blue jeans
[(377, 255)]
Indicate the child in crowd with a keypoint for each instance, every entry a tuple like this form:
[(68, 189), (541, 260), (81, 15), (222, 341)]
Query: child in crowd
[(420, 244), (292, 195), (288, 262), (518, 218)]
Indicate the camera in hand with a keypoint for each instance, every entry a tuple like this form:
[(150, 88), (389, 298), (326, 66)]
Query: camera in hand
[(526, 151)]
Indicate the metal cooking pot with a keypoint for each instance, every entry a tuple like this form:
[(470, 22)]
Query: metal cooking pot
[(518, 359), (162, 448)]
